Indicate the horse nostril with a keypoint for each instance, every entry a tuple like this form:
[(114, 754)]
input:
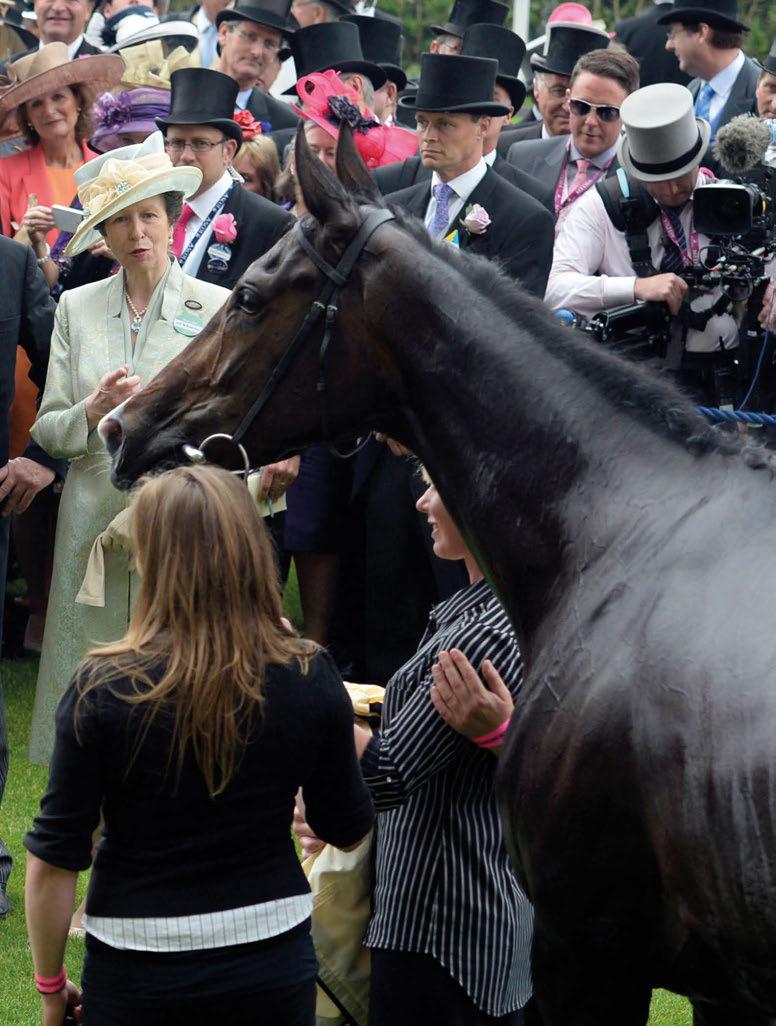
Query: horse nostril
[(112, 434)]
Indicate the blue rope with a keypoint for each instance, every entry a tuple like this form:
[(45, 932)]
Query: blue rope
[(736, 416)]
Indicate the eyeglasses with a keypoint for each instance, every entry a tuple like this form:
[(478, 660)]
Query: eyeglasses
[(266, 44), (177, 146), (603, 111)]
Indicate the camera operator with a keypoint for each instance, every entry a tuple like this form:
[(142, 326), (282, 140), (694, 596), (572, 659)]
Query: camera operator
[(598, 266)]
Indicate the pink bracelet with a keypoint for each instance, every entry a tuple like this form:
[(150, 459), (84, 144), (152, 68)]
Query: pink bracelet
[(51, 984), (494, 738)]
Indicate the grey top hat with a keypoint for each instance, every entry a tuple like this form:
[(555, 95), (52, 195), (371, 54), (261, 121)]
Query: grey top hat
[(663, 138)]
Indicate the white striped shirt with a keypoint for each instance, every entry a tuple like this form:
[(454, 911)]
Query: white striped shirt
[(443, 883)]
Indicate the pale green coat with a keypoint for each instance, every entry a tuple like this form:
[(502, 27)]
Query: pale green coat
[(91, 337)]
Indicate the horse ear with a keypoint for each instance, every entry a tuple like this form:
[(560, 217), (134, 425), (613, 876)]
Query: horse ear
[(323, 195), (351, 169)]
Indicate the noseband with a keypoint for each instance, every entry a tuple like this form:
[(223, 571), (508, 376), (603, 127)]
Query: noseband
[(323, 306)]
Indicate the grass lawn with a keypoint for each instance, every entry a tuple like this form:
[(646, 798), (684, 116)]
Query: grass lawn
[(19, 1005)]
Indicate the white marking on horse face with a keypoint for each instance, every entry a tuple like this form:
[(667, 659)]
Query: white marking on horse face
[(113, 415)]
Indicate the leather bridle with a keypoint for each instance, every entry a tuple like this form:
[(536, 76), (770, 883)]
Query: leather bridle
[(324, 307)]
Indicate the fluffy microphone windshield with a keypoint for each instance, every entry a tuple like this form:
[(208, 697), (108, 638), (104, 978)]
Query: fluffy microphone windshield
[(742, 143)]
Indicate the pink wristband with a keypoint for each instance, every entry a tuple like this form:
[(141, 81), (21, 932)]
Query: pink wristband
[(494, 738), (51, 984)]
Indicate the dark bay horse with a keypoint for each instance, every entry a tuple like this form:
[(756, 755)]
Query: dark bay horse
[(632, 545)]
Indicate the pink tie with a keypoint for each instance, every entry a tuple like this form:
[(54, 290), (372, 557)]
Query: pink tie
[(179, 232), (583, 169)]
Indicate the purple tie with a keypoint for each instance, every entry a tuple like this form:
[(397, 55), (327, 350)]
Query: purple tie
[(443, 193)]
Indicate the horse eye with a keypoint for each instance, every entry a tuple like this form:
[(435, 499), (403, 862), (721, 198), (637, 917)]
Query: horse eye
[(247, 299)]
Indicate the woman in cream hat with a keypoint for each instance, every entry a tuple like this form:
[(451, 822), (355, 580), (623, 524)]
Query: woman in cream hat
[(48, 104), (110, 338)]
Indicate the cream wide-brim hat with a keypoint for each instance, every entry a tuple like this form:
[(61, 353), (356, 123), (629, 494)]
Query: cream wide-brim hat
[(51, 68), (120, 183), (663, 137)]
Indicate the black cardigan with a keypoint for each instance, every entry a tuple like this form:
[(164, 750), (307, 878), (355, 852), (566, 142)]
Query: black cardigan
[(173, 851)]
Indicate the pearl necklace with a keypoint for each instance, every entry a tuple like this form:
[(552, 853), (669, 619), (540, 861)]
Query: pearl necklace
[(137, 321)]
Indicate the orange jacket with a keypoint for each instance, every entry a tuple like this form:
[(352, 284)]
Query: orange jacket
[(22, 174)]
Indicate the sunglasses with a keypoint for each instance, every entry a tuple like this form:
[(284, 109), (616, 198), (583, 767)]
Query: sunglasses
[(603, 111)]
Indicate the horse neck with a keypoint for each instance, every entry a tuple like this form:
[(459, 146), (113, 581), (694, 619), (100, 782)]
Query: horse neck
[(521, 447)]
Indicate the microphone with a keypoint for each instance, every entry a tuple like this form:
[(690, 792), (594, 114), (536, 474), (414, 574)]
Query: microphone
[(742, 143)]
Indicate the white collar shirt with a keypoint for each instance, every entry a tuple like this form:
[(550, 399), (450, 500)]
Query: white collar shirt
[(242, 99), (463, 186), (592, 271), (202, 206), (208, 37), (722, 84), (72, 48), (490, 158)]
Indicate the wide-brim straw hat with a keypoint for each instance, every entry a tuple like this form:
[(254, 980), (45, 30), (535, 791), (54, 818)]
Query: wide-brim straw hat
[(50, 68), (124, 177), (663, 137)]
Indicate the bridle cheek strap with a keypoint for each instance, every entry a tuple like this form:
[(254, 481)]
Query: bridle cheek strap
[(324, 305)]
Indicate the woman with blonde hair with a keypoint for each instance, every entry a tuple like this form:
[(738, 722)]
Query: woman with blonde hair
[(192, 734)]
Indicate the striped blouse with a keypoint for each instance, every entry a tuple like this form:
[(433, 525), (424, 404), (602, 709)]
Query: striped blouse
[(443, 883)]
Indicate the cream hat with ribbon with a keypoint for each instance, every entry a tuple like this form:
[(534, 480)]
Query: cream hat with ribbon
[(51, 68), (120, 182), (663, 138)]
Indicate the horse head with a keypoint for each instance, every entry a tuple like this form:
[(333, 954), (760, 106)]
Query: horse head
[(333, 385)]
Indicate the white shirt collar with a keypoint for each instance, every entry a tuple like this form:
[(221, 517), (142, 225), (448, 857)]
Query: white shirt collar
[(600, 160), (490, 158), (71, 47), (204, 203), (465, 184), (722, 82), (242, 98), (201, 21)]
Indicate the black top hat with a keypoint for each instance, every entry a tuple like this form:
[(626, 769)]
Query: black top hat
[(331, 44), (201, 96), (381, 42), (717, 13), (274, 14), (472, 12), (455, 84), (566, 45), (770, 61), (507, 48)]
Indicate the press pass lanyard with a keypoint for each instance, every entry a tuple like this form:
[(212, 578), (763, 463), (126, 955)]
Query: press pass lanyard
[(690, 258), (563, 198), (205, 225)]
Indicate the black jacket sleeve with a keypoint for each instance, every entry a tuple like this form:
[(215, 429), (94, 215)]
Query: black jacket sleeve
[(36, 326)]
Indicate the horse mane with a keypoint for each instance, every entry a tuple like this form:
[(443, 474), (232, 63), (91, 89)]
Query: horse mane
[(657, 405)]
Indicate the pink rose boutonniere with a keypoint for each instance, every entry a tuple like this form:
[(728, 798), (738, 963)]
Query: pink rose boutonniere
[(225, 228), (477, 220)]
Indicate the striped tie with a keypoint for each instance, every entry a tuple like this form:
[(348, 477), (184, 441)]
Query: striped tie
[(673, 261)]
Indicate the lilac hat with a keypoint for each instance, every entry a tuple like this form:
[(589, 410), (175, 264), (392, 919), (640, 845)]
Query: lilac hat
[(133, 110)]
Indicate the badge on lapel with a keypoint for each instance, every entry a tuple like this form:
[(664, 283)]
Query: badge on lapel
[(220, 252), (188, 323)]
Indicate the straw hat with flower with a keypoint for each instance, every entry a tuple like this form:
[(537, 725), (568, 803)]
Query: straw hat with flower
[(48, 69), (120, 183)]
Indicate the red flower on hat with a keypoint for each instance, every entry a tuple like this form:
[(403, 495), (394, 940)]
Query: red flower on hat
[(249, 125)]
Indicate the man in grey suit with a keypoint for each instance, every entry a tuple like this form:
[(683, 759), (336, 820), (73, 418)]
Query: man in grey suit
[(600, 82), (551, 73), (706, 36)]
